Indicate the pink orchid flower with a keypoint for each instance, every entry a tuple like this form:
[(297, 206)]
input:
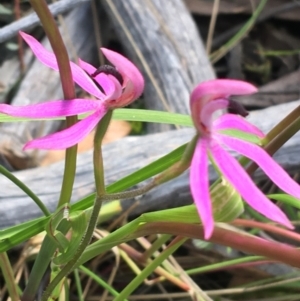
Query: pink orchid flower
[(207, 98), (112, 88)]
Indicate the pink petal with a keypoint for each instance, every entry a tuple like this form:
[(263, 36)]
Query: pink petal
[(110, 85), (232, 121), (199, 184), (88, 68), (213, 90), (49, 59), (241, 181), (133, 79), (221, 88), (207, 111), (272, 169), (51, 109), (70, 136)]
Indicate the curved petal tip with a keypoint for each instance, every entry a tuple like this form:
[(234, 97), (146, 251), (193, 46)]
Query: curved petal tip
[(221, 88), (133, 80), (214, 92)]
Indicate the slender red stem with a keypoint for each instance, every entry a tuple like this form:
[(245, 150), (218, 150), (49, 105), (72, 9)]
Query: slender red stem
[(243, 242), (267, 227)]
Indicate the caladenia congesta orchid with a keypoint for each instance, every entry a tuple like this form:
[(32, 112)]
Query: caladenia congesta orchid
[(113, 87), (213, 143)]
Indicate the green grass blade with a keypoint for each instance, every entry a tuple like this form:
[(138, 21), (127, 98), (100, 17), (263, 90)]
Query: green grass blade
[(215, 56), (152, 116), (148, 270), (124, 114), (100, 281), (136, 177), (15, 235), (286, 199), (25, 189), (12, 236), (224, 264)]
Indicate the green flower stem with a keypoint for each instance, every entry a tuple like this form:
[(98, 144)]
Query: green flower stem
[(69, 171), (59, 49), (284, 123), (172, 172), (41, 264), (9, 278), (23, 187), (100, 191), (284, 131), (60, 52), (179, 167), (72, 263), (243, 242), (129, 194), (98, 160), (57, 44)]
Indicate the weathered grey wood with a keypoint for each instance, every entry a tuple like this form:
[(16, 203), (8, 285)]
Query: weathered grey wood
[(10, 74), (32, 20), (281, 9), (41, 84), (272, 9), (282, 90), (162, 37), (123, 157), (176, 62)]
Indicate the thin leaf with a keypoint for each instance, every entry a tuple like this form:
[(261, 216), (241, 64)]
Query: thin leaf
[(17, 234), (152, 116), (124, 114), (136, 177), (215, 56), (242, 135), (286, 199)]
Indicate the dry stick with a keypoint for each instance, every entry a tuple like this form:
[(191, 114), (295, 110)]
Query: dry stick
[(96, 22), (212, 25), (32, 20), (9, 278), (136, 256), (278, 137), (218, 54), (20, 40), (220, 40), (139, 55)]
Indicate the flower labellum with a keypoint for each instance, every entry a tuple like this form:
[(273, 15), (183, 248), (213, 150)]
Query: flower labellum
[(207, 98), (113, 87)]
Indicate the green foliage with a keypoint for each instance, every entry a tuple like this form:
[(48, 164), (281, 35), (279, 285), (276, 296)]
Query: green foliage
[(136, 115)]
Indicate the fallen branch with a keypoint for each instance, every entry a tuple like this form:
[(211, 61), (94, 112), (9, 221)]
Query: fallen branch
[(122, 158)]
